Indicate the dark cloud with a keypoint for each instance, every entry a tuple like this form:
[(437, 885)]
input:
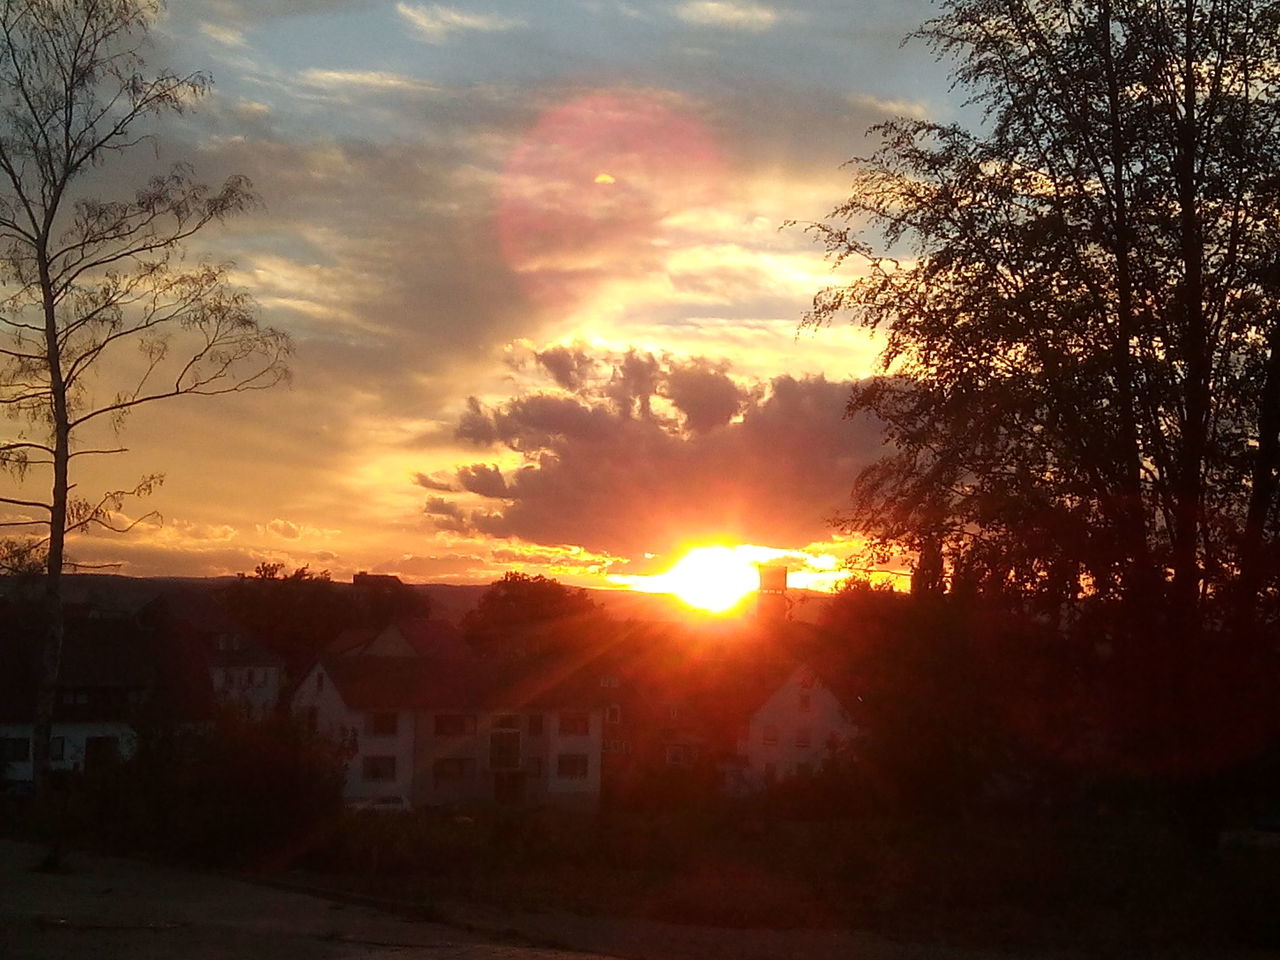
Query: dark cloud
[(475, 426), (568, 367), (440, 507), (601, 477), (634, 382), (430, 483), (447, 516), (705, 394), (483, 478)]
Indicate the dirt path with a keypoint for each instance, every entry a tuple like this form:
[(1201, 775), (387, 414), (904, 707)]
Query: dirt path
[(106, 908)]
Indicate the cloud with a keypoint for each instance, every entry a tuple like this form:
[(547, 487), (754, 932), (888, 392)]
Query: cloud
[(440, 507), (227, 36), (568, 366), (285, 529), (436, 22), (430, 483), (752, 17), (483, 479), (369, 79), (706, 396), (683, 454)]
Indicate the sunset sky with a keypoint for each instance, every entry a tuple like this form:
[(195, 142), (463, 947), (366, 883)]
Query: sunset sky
[(530, 253)]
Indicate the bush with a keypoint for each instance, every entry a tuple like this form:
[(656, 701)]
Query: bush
[(232, 793)]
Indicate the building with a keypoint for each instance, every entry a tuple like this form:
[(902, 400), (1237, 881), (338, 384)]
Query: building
[(792, 733), (430, 724), (116, 674)]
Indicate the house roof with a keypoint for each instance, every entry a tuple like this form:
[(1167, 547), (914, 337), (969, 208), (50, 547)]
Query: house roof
[(422, 637), (104, 660)]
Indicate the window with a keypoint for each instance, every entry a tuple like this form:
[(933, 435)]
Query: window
[(803, 737), (806, 703), (319, 681), (452, 769), (58, 748), (506, 721), (608, 680), (15, 749), (312, 720), (535, 767), (379, 768), (770, 735), (804, 771), (613, 713), (679, 755), (617, 746), (673, 711), (571, 766), (504, 750), (574, 725), (384, 724), (535, 724), (454, 724)]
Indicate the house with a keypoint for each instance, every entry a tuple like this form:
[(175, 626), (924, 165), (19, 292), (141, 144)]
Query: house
[(790, 734), (245, 675), (428, 723), (115, 674)]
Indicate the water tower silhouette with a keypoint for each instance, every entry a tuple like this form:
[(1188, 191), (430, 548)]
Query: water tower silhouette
[(771, 598)]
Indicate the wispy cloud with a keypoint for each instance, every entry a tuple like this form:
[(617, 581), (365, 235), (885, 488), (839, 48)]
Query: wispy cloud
[(436, 22), (728, 14), (223, 34), (893, 107), (364, 79)]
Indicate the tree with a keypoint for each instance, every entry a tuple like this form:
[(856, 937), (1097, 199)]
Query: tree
[(1081, 382), (522, 616), (102, 312)]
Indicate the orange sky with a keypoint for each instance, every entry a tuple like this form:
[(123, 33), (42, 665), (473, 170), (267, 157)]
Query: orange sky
[(531, 256)]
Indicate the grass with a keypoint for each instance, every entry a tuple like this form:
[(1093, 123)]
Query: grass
[(1086, 885)]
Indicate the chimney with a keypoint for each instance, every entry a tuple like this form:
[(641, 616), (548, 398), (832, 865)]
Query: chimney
[(771, 599)]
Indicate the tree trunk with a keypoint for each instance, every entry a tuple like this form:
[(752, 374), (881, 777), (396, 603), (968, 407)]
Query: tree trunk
[(55, 628)]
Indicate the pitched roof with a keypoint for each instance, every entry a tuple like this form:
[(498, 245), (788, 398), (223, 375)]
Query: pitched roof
[(105, 659)]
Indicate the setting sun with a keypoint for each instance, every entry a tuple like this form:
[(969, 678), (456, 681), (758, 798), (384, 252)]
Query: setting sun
[(714, 579)]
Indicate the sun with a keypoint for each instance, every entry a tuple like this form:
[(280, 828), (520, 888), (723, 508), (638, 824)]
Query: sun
[(714, 579)]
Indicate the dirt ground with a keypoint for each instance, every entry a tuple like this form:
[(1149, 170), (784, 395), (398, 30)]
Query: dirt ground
[(112, 909)]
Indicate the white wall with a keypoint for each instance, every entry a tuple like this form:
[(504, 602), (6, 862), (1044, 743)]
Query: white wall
[(584, 789), (255, 690), (337, 721), (73, 737), (785, 715)]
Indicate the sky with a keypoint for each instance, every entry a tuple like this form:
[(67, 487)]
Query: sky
[(533, 258)]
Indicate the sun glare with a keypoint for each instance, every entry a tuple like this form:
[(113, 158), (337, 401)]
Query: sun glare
[(713, 579)]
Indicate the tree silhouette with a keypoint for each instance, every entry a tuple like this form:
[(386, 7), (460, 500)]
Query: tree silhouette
[(102, 312), (521, 617), (1082, 363)]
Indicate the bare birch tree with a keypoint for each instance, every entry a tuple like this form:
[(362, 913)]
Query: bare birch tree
[(101, 311)]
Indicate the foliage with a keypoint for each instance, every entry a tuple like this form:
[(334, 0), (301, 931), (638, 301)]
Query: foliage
[(101, 312), (295, 615), (1081, 303), (231, 792), (1080, 299), (523, 616)]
